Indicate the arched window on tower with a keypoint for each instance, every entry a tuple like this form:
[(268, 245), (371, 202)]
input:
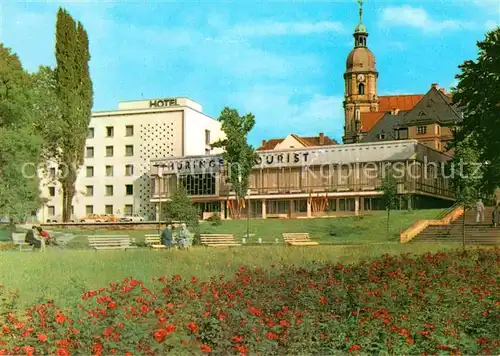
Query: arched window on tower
[(361, 89)]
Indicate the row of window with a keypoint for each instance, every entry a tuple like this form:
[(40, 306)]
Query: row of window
[(110, 131), (89, 190), (109, 190), (89, 209), (129, 171), (129, 151)]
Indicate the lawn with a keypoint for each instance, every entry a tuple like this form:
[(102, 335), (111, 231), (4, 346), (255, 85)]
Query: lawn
[(63, 274), (370, 228)]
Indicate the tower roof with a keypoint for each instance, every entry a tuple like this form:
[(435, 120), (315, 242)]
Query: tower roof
[(360, 28)]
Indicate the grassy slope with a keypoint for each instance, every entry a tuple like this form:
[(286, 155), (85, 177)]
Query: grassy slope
[(63, 275), (364, 229)]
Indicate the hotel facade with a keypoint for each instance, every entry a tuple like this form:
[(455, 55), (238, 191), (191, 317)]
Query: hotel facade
[(331, 180), (114, 178)]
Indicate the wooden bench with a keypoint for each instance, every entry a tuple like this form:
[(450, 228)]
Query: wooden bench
[(153, 241), (110, 242), (18, 239), (277, 216), (218, 240), (299, 239)]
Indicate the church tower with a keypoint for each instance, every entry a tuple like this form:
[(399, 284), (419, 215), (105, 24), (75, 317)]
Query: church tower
[(360, 80)]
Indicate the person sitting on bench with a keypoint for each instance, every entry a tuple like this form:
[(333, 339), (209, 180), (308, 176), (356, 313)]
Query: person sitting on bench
[(184, 237), (45, 235), (166, 236), (31, 239)]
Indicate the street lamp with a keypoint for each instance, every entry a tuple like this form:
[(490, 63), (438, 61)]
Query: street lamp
[(160, 182)]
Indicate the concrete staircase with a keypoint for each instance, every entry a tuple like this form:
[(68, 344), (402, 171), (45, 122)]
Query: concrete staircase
[(482, 233)]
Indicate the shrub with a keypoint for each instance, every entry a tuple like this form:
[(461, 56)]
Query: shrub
[(436, 303), (215, 219)]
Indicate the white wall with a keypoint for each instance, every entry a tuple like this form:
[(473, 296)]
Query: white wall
[(195, 125)]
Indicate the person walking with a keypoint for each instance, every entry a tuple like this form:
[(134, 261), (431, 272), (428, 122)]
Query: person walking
[(479, 211), (496, 216), (184, 237), (166, 236)]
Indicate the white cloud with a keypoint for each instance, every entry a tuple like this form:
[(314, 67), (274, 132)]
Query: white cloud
[(286, 28), (490, 25), (420, 19)]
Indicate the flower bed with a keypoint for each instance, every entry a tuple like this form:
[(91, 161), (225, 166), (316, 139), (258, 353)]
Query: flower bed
[(445, 302)]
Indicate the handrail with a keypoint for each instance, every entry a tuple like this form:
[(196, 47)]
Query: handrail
[(448, 210)]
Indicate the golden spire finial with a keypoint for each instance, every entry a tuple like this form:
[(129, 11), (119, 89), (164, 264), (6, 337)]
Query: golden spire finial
[(360, 2)]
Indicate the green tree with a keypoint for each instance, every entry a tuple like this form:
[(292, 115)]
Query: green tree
[(238, 155), (74, 91), (20, 144), (477, 95), (181, 208), (389, 188)]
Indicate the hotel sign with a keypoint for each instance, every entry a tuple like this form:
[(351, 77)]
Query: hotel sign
[(214, 164), (161, 103)]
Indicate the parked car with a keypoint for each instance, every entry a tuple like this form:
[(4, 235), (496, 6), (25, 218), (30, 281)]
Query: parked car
[(132, 218), (111, 218), (58, 219), (93, 218)]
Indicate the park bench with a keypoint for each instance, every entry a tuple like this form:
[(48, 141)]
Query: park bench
[(153, 241), (110, 242), (299, 239), (218, 240), (18, 239), (277, 216)]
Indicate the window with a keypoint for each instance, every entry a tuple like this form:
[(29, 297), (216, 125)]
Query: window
[(109, 171), (52, 191), (438, 129), (198, 184), (72, 210), (361, 89), (110, 131), (89, 152), (109, 190), (129, 189), (381, 136), (128, 210), (90, 171), (90, 132), (108, 209), (51, 210), (129, 170), (207, 151), (402, 134), (421, 130), (207, 137), (129, 130), (129, 150), (89, 190), (109, 151), (89, 209), (52, 173)]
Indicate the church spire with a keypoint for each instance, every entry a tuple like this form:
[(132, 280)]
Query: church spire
[(360, 32)]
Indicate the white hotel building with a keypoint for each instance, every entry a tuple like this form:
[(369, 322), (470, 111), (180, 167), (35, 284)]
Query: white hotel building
[(114, 178)]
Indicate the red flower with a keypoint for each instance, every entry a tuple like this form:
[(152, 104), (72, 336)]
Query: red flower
[(60, 318), (129, 354), (193, 327), (184, 342), (272, 336), (205, 348), (160, 335), (62, 352), (237, 339), (242, 349), (322, 300), (29, 350), (42, 337), (355, 347), (485, 314), (410, 341)]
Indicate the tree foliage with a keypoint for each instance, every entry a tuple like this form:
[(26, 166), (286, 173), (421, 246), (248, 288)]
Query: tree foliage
[(20, 144), (181, 208), (238, 155), (477, 94), (74, 91)]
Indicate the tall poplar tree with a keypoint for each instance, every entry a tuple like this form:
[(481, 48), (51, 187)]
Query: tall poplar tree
[(74, 88), (20, 143)]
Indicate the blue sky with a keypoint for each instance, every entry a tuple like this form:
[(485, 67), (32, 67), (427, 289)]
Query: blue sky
[(282, 61)]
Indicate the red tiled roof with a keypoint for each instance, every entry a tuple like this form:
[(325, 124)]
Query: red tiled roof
[(387, 104), (369, 119), (401, 102), (306, 141)]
